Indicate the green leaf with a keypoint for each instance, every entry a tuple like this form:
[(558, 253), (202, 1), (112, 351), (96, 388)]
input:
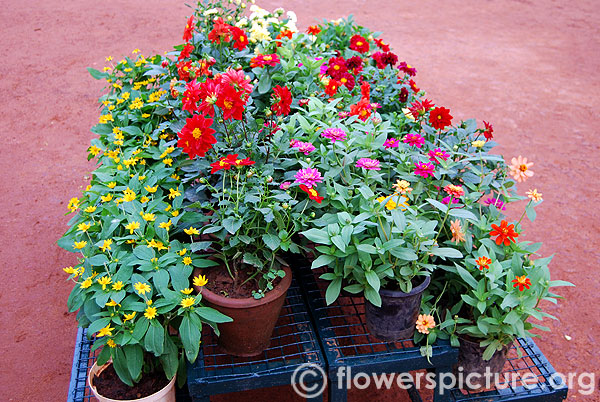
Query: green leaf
[(161, 281), (98, 260), (366, 248), (560, 283), (141, 327), (120, 366), (190, 337), (510, 300), (466, 276), (180, 276), (530, 211), (317, 235), (271, 241), (170, 358), (232, 225), (339, 242), (462, 213), (98, 325), (210, 314), (144, 253), (512, 318), (403, 253), (437, 204), (333, 290), (373, 279), (264, 84), (446, 252), (252, 259), (322, 260), (96, 74), (373, 296), (155, 338), (135, 360)]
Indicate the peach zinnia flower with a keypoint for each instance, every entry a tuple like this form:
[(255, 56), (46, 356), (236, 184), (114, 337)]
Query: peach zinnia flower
[(425, 323), (534, 195), (457, 232), (519, 169)]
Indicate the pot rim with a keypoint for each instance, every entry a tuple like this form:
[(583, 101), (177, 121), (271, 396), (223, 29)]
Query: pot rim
[(95, 370), (399, 293), (250, 302)]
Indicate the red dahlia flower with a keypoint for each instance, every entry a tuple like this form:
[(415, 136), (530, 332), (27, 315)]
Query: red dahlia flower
[(348, 81), (283, 34), (196, 137), (332, 87), (354, 64), (419, 108), (191, 96), (239, 37), (228, 161), (313, 30), (440, 117), (489, 131), (312, 193), (188, 48), (209, 93), (407, 69), (237, 79), (184, 69), (337, 67), (382, 45), (282, 98), (413, 86), (188, 32), (221, 32), (231, 102), (362, 109), (359, 44), (505, 233), (483, 263), (403, 96), (264, 60)]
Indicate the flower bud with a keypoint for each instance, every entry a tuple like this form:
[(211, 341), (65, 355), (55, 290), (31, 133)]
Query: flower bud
[(285, 205), (269, 179), (312, 215)]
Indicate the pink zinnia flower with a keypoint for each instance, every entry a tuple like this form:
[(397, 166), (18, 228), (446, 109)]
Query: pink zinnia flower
[(285, 185), (391, 143), (309, 177), (369, 164), (519, 169), (414, 139), (438, 153), (334, 134), (447, 200), (304, 147), (495, 202), (424, 169)]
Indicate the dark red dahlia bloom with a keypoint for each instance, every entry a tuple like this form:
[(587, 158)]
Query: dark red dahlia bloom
[(348, 81), (191, 96), (337, 67), (183, 69), (264, 60), (403, 97), (489, 131), (188, 32), (354, 64), (231, 102), (188, 48), (196, 137), (407, 69), (359, 44), (382, 45), (389, 58), (377, 57), (440, 117), (312, 193), (240, 39), (313, 30), (221, 32), (282, 98), (332, 87), (419, 108)]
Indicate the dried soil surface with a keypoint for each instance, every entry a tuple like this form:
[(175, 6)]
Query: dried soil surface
[(529, 67)]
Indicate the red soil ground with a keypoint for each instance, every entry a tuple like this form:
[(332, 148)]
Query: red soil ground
[(529, 67)]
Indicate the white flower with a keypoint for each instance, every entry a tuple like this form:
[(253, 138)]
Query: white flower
[(211, 11), (292, 16)]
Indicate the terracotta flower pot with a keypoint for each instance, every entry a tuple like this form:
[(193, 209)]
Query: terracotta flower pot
[(470, 358), (253, 319), (167, 394), (397, 316)]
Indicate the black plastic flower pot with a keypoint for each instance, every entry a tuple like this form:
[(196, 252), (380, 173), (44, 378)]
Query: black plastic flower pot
[(470, 359), (397, 316)]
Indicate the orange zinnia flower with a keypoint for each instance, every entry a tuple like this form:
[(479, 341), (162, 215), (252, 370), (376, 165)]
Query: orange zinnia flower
[(457, 233), (505, 233), (522, 282), (519, 169), (483, 262), (425, 323)]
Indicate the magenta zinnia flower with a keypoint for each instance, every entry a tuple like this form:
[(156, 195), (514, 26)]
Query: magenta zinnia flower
[(414, 139), (438, 154), (309, 177), (304, 147), (424, 169), (285, 185), (495, 202), (369, 164), (391, 143), (334, 134), (446, 200)]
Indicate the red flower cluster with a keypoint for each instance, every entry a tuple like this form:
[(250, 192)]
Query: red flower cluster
[(419, 108), (196, 137), (264, 60), (312, 193), (188, 70), (363, 108), (223, 32), (188, 32), (505, 233), (188, 48), (228, 161), (282, 98), (382, 45), (313, 30), (384, 59), (440, 117), (332, 87), (359, 44), (407, 69)]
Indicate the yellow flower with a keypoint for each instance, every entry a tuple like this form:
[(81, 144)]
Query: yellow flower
[(125, 95), (142, 288), (173, 193), (148, 217), (111, 185), (188, 302), (90, 209), (88, 187), (128, 195), (168, 208), (94, 150), (168, 161), (106, 245), (150, 313), (109, 58), (187, 261), (191, 231), (105, 118), (105, 280), (141, 177), (86, 283), (78, 245), (174, 176), (200, 280), (145, 115), (83, 227), (182, 252), (106, 198), (534, 195), (135, 51), (129, 316), (111, 303), (71, 270), (105, 331), (144, 199), (165, 225), (187, 291), (132, 226), (151, 189), (73, 204), (158, 244), (118, 285), (478, 144), (175, 213), (111, 343)]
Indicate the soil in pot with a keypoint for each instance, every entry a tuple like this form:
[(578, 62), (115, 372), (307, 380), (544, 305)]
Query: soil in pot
[(221, 283), (396, 318), (470, 358), (109, 385)]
